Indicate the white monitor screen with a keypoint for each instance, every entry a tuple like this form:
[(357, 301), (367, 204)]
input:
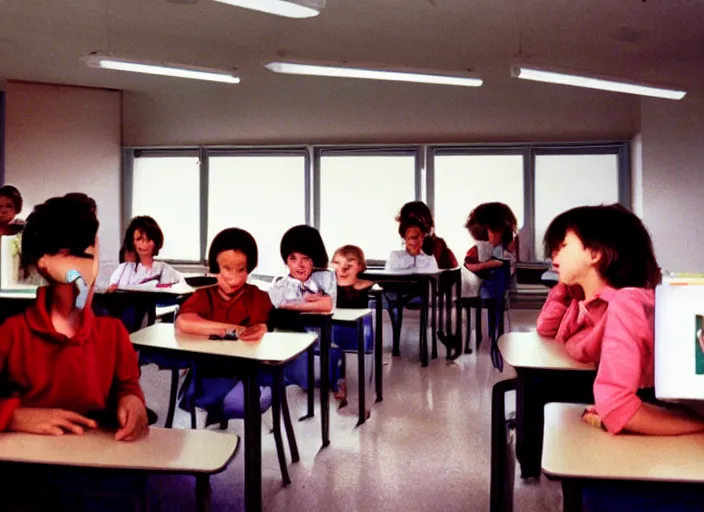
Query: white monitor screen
[(679, 340)]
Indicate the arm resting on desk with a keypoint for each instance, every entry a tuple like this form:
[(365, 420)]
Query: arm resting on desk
[(656, 421), (192, 323), (323, 305)]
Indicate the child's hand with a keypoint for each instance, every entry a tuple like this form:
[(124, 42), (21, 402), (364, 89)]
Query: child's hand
[(53, 422), (313, 297), (590, 416), (132, 417), (112, 288), (253, 333)]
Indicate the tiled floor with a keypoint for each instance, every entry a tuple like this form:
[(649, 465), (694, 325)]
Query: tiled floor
[(425, 447)]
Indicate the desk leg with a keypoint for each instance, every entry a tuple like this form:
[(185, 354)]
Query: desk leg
[(311, 384), (325, 379), (572, 495), (378, 350), (529, 424), (252, 444), (362, 386), (424, 323), (434, 318), (202, 493), (458, 315)]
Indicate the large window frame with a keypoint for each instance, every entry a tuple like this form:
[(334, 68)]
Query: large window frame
[(424, 172)]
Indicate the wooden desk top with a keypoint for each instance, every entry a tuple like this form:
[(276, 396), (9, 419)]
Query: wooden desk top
[(574, 449), (349, 314), (274, 347), (529, 350), (165, 449)]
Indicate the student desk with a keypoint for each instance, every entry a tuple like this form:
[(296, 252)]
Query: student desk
[(274, 349), (533, 356), (195, 452), (428, 284), (574, 451), (355, 318)]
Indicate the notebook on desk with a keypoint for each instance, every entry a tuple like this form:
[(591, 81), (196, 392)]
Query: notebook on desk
[(679, 338)]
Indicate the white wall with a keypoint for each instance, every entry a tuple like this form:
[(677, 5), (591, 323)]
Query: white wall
[(63, 139), (673, 179), (326, 110)]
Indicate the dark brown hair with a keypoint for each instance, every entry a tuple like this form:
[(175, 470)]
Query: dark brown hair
[(494, 216), (59, 223), (627, 256), (233, 239), (305, 240), (418, 211), (13, 195), (149, 228)]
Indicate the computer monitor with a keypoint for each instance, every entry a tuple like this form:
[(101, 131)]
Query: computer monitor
[(679, 338)]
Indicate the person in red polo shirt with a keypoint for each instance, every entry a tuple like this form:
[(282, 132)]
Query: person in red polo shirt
[(63, 370)]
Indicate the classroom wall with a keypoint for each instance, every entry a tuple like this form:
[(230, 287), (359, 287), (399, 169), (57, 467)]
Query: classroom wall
[(673, 179), (63, 139), (297, 110)]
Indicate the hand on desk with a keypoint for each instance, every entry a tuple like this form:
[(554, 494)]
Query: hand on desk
[(252, 333), (54, 422), (132, 417)]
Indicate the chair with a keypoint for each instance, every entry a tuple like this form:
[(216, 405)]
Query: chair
[(494, 298), (503, 461), (231, 406), (446, 280)]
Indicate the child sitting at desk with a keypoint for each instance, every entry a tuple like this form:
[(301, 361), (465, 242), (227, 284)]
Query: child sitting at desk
[(10, 207), (63, 369), (413, 233), (232, 306), (602, 310), (308, 287), (144, 239), (54, 390), (432, 244), (352, 293), (493, 227)]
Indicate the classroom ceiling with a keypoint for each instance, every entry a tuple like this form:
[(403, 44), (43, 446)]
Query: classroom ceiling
[(653, 40)]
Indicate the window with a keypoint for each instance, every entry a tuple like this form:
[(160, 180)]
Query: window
[(461, 182), (360, 196), (167, 188), (566, 181), (264, 194)]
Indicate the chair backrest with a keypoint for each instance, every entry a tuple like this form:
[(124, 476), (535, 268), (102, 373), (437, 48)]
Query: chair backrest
[(497, 286)]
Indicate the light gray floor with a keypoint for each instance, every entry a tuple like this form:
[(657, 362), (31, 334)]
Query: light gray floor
[(425, 447)]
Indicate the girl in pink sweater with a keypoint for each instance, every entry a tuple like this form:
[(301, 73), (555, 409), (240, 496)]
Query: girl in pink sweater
[(602, 310)]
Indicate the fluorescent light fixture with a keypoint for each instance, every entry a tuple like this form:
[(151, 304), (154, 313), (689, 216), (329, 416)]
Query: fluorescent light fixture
[(285, 8), (375, 73), (593, 82), (160, 68)]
